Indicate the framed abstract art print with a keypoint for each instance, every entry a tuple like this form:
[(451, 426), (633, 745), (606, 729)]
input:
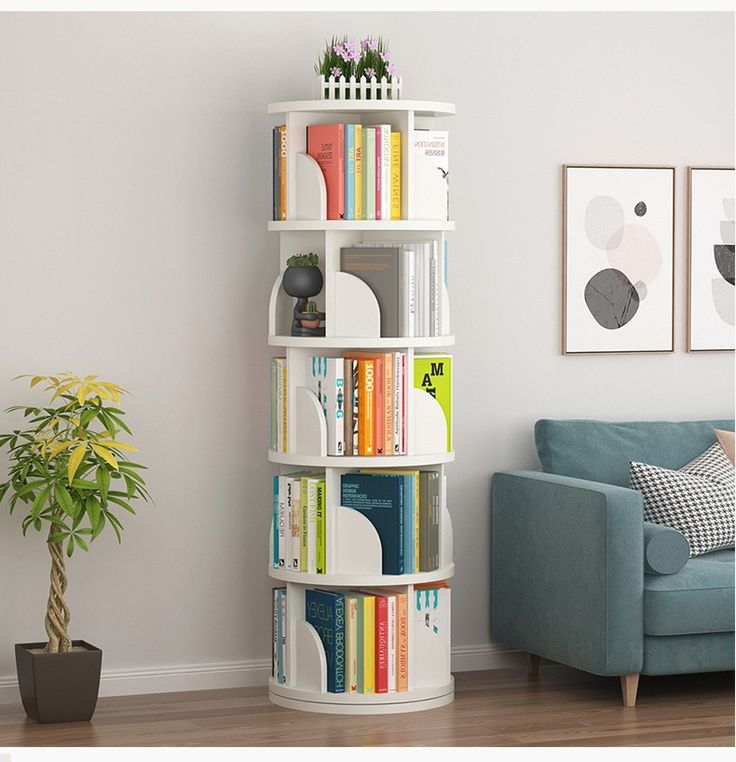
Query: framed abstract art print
[(618, 252), (711, 259)]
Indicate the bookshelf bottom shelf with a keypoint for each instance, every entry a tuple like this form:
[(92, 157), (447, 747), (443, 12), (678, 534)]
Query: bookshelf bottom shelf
[(357, 703)]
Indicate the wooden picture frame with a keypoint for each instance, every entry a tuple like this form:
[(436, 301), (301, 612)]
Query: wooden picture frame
[(703, 304), (597, 305)]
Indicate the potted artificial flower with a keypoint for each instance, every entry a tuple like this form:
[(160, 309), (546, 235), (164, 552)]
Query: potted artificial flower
[(69, 473), (360, 66)]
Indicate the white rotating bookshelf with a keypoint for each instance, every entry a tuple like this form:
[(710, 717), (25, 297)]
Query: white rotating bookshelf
[(353, 546)]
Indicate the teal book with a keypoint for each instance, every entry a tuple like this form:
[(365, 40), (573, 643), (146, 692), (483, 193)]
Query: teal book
[(410, 487), (325, 611), (275, 559), (349, 171)]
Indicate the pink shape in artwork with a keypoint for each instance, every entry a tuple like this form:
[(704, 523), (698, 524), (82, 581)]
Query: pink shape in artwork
[(638, 255)]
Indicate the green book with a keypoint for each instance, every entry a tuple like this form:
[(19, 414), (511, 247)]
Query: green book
[(433, 374), (321, 528)]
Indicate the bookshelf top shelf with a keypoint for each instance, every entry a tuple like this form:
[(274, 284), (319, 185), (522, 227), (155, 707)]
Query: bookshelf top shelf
[(420, 108), (352, 342), (417, 225), (362, 580), (359, 461)]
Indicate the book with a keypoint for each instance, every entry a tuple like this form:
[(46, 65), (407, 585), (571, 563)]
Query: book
[(274, 404), (430, 174), (388, 403), (391, 630), (380, 498), (429, 514), (321, 527), (350, 172), (402, 638), (435, 294), (379, 171), (274, 633), (282, 170), (311, 483), (399, 402), (293, 499), (366, 642), (433, 374), (325, 377), (348, 416), (378, 267), (407, 292), (326, 145), (395, 175), (275, 530), (278, 402), (304, 525), (355, 405), (283, 523), (352, 653), (379, 401), (383, 171), (278, 618), (366, 406), (276, 156), (369, 173), (359, 172), (325, 611), (283, 674), (381, 643)]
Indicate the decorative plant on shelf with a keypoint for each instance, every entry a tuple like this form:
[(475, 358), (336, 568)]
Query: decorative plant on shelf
[(303, 279), (344, 58), (69, 472)]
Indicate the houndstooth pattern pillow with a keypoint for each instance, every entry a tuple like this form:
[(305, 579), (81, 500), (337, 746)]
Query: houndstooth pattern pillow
[(697, 500)]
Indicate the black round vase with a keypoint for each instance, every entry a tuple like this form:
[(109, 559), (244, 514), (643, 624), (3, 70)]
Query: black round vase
[(302, 281)]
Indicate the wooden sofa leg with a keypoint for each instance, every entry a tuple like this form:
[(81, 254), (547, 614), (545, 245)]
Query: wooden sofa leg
[(533, 665), (629, 686)]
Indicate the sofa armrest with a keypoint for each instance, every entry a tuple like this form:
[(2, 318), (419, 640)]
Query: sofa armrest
[(567, 570)]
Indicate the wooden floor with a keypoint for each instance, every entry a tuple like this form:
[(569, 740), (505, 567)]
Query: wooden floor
[(563, 707)]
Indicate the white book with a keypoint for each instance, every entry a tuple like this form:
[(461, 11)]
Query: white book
[(385, 167), (312, 525), (283, 522), (334, 401), (407, 293), (425, 287), (293, 495), (391, 619), (430, 175), (276, 612), (435, 296)]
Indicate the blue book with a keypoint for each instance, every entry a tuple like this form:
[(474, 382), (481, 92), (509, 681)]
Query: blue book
[(410, 487), (380, 498), (275, 558), (325, 611), (349, 171), (281, 633)]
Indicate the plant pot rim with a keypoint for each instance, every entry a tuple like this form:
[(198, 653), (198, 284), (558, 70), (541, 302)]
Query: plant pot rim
[(75, 643)]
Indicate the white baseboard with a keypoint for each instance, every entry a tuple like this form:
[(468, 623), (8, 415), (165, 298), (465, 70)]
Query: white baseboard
[(199, 677)]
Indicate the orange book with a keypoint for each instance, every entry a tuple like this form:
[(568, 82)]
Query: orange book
[(388, 403), (379, 403), (366, 406), (282, 154), (402, 638), (326, 145)]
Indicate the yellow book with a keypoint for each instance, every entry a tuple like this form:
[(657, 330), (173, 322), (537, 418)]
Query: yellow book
[(351, 643), (366, 642), (395, 175), (359, 172)]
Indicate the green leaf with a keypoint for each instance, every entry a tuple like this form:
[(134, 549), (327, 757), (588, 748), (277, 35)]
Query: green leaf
[(38, 503), (122, 504), (30, 487), (70, 546), (93, 507), (64, 499), (80, 542), (100, 526), (131, 485), (102, 478), (37, 524), (58, 537), (86, 417), (83, 484)]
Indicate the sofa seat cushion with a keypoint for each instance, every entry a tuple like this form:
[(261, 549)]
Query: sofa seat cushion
[(697, 599)]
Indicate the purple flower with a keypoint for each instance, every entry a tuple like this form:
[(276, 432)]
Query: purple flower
[(340, 50), (370, 73), (391, 69), (352, 52), (370, 43), (364, 43), (336, 72), (386, 56)]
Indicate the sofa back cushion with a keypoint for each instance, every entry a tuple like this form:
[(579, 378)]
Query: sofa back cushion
[(601, 450)]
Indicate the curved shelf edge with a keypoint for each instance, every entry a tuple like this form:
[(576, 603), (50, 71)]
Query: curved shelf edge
[(360, 461), (344, 342), (362, 580), (420, 108), (415, 225), (359, 703)]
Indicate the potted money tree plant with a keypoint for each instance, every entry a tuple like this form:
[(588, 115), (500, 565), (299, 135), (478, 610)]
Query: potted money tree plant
[(69, 473)]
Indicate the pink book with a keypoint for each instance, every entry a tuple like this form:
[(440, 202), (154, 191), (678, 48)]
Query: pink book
[(326, 145), (379, 179)]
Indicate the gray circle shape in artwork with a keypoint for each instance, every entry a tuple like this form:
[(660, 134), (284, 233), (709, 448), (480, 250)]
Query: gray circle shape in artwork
[(640, 209), (611, 298), (641, 289), (724, 256), (604, 222)]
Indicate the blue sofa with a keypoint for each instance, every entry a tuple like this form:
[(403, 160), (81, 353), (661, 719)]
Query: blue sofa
[(577, 575)]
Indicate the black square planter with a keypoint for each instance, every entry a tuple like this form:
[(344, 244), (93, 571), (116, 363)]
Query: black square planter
[(59, 687)]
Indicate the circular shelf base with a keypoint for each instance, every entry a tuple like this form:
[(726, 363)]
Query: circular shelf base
[(357, 703), (362, 580), (359, 461)]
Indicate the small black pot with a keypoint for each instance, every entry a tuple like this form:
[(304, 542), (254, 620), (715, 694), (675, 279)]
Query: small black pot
[(302, 281), (59, 687)]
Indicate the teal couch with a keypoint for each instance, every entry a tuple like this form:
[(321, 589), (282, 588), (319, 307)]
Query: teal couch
[(577, 575)]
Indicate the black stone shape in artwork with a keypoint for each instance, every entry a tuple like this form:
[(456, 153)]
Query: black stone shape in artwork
[(611, 298), (640, 209), (724, 254)]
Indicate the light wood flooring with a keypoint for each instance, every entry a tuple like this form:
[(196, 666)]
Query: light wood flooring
[(563, 707)]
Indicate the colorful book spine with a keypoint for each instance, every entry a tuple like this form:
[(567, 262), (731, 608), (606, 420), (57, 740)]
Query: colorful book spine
[(378, 405), (275, 549), (351, 643), (284, 652), (304, 525), (274, 634), (381, 640), (293, 487), (366, 642), (321, 527), (433, 374), (395, 175), (349, 171), (325, 378), (326, 145), (282, 523), (355, 368), (312, 524), (391, 629), (402, 642), (276, 156), (398, 403), (274, 404), (348, 409), (369, 173), (388, 403), (379, 173), (366, 404), (325, 611), (282, 168), (359, 172)]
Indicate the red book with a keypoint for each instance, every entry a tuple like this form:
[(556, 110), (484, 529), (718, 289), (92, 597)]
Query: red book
[(379, 179), (381, 643), (326, 145)]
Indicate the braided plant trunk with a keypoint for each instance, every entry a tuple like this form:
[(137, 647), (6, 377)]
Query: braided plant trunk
[(57, 612)]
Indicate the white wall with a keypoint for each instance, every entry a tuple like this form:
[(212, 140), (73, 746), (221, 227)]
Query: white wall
[(134, 190)]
